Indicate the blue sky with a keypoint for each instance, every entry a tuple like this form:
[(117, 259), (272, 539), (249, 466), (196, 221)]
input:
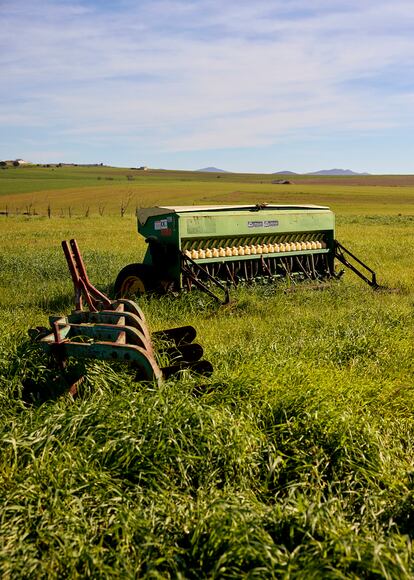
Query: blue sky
[(242, 85)]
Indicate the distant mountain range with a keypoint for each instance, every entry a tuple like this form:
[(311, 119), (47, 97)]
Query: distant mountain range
[(322, 172), (331, 172), (212, 170), (336, 172)]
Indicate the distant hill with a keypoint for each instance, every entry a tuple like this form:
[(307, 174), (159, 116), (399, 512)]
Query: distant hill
[(335, 172), (212, 170), (321, 172)]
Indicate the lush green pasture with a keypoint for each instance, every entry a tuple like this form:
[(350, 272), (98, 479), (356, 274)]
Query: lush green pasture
[(80, 191), (294, 460)]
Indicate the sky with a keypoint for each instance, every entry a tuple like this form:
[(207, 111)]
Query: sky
[(247, 86)]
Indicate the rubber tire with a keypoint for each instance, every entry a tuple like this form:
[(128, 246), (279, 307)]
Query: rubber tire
[(135, 280)]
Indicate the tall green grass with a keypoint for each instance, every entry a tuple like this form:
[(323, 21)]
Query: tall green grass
[(293, 460)]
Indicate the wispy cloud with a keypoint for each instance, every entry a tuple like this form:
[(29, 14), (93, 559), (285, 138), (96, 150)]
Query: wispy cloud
[(184, 75)]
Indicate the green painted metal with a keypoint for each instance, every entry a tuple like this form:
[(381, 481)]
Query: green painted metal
[(180, 228), (106, 335), (114, 330)]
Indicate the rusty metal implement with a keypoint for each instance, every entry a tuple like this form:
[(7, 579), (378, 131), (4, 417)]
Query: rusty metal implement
[(115, 330)]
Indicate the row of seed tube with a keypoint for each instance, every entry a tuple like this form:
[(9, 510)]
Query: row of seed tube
[(253, 249)]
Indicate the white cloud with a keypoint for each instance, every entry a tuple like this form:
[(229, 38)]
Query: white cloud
[(206, 74)]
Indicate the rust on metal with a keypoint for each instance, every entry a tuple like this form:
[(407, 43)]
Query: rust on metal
[(115, 330)]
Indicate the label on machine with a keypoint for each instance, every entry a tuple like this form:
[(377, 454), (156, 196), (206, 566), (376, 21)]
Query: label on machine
[(263, 224), (161, 225)]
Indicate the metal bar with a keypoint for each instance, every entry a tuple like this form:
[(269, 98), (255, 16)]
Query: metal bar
[(78, 275), (96, 294), (230, 274), (111, 317), (132, 354), (265, 267), (74, 274), (299, 263), (99, 332), (88, 297), (56, 334), (313, 266), (186, 270), (340, 254), (129, 306), (79, 261), (202, 286)]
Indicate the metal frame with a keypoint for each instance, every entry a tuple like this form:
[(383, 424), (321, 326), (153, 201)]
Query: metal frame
[(342, 253), (115, 330)]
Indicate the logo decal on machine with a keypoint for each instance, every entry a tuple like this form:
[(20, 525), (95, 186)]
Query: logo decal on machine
[(263, 224)]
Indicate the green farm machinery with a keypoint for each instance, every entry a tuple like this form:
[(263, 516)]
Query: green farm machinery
[(114, 330), (207, 246)]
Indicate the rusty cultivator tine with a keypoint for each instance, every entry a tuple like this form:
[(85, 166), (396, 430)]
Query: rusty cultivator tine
[(81, 280)]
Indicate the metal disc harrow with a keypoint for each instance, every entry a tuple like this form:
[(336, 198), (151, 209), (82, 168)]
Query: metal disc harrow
[(115, 330)]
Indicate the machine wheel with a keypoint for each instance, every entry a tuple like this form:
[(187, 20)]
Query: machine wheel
[(135, 279)]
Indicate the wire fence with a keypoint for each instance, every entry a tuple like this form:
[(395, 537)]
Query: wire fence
[(49, 211)]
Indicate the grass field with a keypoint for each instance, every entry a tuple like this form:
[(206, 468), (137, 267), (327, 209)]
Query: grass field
[(294, 460)]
